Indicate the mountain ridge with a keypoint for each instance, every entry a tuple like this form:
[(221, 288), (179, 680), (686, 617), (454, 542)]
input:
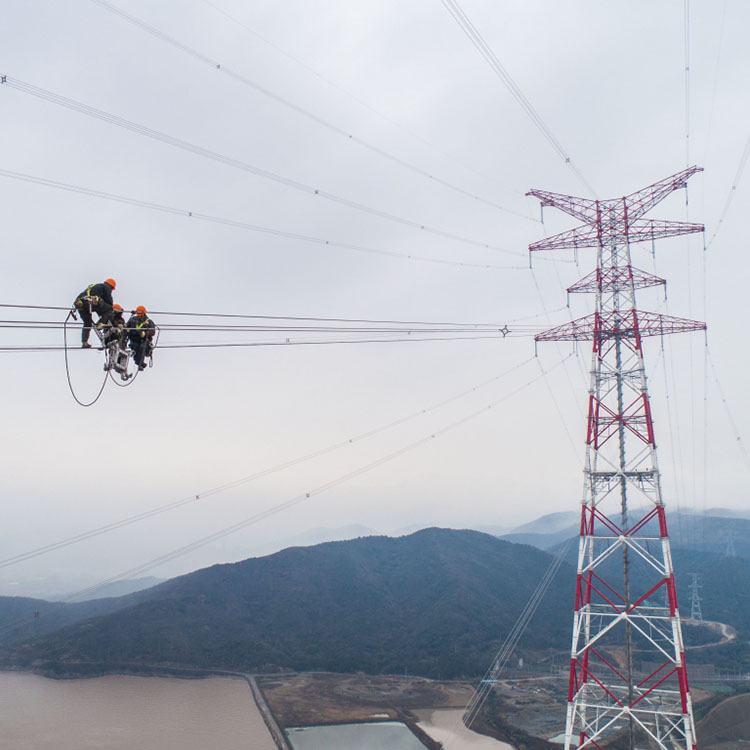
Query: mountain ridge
[(436, 602)]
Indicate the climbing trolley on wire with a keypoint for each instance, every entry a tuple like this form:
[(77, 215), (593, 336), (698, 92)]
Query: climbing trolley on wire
[(127, 346), (117, 357)]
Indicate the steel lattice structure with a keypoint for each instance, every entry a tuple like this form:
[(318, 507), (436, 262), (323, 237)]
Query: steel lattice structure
[(627, 665), (695, 600)]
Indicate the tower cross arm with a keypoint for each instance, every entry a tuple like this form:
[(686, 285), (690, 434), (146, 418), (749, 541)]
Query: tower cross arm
[(656, 324), (619, 232), (581, 329), (583, 236), (584, 209), (654, 229), (615, 279), (624, 325), (644, 200)]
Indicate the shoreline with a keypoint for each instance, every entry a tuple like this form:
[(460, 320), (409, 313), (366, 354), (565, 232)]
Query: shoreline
[(276, 733), (83, 671), (409, 716)]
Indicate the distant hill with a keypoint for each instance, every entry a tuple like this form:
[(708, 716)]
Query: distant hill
[(317, 535), (708, 533), (436, 603), (727, 512), (22, 617), (716, 531), (546, 532), (116, 588), (543, 541), (483, 528), (699, 545), (552, 523)]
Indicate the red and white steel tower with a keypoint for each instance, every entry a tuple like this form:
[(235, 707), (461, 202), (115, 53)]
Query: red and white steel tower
[(627, 662)]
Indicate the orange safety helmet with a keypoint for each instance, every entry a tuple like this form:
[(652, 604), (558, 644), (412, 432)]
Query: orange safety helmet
[(117, 307), (140, 310), (111, 282)]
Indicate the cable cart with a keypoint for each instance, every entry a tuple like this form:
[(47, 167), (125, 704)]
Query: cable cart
[(121, 342), (117, 356)]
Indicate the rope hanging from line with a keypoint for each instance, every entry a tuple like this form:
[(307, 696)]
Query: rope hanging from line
[(67, 369)]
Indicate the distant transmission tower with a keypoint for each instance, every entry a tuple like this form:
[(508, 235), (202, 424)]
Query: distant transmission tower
[(730, 545), (695, 600), (619, 607)]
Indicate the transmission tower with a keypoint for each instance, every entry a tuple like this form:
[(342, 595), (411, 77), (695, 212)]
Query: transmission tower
[(624, 564), (730, 552), (695, 600)]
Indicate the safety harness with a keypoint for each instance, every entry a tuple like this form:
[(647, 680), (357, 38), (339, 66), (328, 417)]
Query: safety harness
[(92, 300)]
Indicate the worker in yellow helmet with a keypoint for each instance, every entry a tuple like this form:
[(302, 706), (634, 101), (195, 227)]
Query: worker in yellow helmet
[(141, 330), (96, 298)]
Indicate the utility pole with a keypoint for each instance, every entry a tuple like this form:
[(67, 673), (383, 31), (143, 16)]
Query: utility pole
[(695, 600), (624, 562)]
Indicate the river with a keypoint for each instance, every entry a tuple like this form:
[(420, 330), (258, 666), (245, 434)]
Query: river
[(123, 713)]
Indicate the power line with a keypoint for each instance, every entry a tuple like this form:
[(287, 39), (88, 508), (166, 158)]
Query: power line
[(745, 153), (20, 325), (410, 339), (686, 14), (256, 475), (732, 190), (257, 517), (217, 328), (482, 692), (357, 99), (229, 161), (308, 318), (350, 137), (245, 225), (729, 412), (233, 528), (715, 86), (485, 50), (296, 331), (246, 316), (255, 344), (412, 334)]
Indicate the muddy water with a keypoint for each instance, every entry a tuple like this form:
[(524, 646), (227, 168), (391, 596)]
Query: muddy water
[(124, 713), (376, 736), (445, 726)]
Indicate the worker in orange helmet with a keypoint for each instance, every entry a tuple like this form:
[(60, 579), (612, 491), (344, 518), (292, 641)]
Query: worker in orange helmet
[(96, 298), (116, 328), (141, 330)]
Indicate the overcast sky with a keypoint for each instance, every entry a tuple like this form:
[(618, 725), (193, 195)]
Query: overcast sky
[(607, 79)]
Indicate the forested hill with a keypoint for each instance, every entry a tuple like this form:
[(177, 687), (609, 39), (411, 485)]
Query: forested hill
[(438, 603)]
